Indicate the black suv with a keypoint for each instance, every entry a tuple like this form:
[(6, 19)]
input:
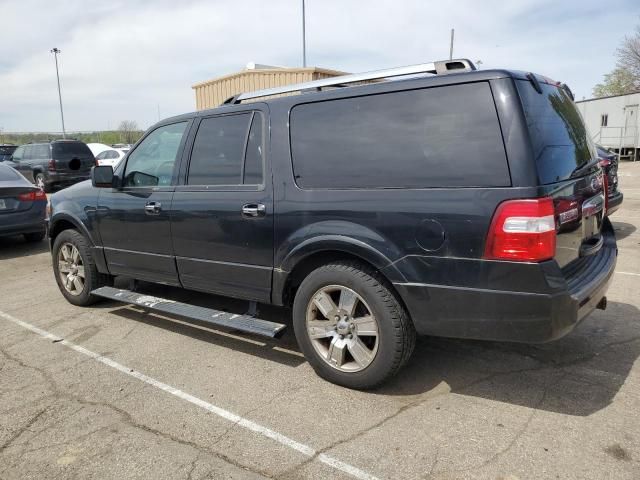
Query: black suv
[(464, 204), (61, 162)]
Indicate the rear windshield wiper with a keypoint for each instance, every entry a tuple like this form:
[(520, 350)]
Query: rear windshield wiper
[(582, 169)]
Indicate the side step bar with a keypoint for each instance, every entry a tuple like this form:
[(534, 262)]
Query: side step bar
[(243, 323)]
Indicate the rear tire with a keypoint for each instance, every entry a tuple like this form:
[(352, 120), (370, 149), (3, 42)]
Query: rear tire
[(75, 269), (34, 237), (328, 331)]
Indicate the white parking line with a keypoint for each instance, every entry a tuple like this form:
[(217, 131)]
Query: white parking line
[(630, 273), (221, 412)]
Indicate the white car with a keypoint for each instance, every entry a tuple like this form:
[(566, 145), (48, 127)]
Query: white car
[(97, 148), (111, 157)]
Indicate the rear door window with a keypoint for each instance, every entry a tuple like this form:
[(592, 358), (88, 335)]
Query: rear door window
[(435, 137), (228, 150), (558, 135)]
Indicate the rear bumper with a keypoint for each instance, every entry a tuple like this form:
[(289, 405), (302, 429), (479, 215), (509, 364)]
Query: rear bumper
[(28, 221), (504, 315), (18, 229)]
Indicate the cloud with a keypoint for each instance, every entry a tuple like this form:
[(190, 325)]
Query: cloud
[(124, 59)]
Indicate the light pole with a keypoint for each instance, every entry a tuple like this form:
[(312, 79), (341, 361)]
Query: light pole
[(304, 39), (55, 52)]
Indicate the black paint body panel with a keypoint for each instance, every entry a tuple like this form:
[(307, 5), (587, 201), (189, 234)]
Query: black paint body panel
[(427, 242)]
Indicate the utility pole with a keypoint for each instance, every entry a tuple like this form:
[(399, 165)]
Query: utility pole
[(55, 52), (451, 45), (304, 39)]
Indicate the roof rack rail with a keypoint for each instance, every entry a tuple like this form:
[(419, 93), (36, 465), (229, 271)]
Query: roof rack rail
[(437, 68)]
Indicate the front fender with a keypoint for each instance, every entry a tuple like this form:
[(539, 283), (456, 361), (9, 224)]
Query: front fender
[(77, 223)]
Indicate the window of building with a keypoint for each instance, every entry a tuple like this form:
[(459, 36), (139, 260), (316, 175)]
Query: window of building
[(604, 120)]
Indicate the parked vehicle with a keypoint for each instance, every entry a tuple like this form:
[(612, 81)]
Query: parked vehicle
[(6, 150), (22, 206), (60, 162), (97, 148), (464, 204), (609, 163), (110, 157)]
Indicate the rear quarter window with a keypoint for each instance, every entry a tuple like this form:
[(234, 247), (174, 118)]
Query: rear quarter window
[(434, 137), (558, 135)]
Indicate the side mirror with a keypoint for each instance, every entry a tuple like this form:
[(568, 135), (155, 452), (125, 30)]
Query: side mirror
[(102, 176)]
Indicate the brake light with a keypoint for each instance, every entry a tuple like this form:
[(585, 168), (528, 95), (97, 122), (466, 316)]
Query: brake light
[(52, 165), (522, 230), (32, 196), (605, 162)]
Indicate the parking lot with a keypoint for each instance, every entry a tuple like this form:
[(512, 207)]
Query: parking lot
[(113, 392)]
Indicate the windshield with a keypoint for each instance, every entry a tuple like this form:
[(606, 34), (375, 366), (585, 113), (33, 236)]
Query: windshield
[(558, 135)]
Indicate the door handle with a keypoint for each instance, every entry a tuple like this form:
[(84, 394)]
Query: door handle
[(254, 210), (152, 208)]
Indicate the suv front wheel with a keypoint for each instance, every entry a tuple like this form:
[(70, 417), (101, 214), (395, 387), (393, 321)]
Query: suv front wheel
[(350, 326), (75, 269)]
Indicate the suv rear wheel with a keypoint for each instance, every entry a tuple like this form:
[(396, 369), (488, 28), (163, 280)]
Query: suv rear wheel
[(75, 270), (350, 325), (40, 182)]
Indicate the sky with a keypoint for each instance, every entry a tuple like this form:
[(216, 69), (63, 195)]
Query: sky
[(137, 59)]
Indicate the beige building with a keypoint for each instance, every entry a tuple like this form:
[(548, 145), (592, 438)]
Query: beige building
[(214, 92)]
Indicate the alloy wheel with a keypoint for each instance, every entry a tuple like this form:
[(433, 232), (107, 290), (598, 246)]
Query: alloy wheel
[(342, 328), (71, 269)]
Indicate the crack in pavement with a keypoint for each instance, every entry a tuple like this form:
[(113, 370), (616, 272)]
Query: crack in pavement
[(126, 417)]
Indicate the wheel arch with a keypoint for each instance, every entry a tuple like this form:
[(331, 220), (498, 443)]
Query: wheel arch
[(317, 252), (64, 222)]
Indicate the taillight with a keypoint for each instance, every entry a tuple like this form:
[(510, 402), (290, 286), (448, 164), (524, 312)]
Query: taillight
[(522, 230), (32, 196), (605, 162), (52, 165)]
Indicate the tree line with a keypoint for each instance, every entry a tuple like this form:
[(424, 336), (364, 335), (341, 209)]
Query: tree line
[(127, 132), (625, 78)]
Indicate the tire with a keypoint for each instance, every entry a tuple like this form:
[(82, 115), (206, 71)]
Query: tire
[(34, 237), (93, 279), (386, 351), (40, 181)]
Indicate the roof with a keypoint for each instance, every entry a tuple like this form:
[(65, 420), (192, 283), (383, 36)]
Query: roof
[(608, 96), (270, 71), (437, 80)]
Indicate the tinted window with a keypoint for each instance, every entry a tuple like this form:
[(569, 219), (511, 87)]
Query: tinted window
[(254, 158), (436, 137), (28, 152), (216, 158), (152, 162), (558, 135), (70, 149)]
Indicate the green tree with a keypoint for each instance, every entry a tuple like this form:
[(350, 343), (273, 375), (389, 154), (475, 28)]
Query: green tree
[(619, 82)]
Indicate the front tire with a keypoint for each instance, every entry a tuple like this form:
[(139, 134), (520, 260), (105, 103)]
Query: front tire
[(350, 325), (75, 270)]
